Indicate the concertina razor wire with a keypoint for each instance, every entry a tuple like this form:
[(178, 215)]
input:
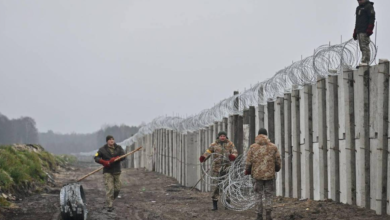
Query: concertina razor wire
[(236, 189), (327, 60)]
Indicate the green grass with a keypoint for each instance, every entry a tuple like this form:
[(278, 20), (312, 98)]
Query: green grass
[(65, 159), (4, 202), (20, 166)]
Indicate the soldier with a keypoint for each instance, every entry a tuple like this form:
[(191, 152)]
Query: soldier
[(112, 170), (364, 26), (224, 152), (263, 160)]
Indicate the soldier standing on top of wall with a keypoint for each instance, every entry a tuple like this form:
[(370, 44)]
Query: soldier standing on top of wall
[(224, 153), (112, 169), (263, 161), (364, 26)]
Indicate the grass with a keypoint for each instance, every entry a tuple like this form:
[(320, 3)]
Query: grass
[(4, 202), (65, 159), (20, 166)]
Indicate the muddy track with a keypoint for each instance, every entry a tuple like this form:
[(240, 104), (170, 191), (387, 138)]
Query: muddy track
[(152, 196)]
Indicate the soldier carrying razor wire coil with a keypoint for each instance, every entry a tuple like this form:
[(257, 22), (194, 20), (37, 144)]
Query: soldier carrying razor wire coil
[(224, 153)]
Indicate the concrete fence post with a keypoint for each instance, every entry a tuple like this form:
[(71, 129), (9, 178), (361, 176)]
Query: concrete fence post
[(132, 162), (306, 141), (288, 146), (127, 162), (252, 125), (322, 155), (379, 111), (279, 142), (216, 129), (362, 141), (191, 160), (180, 158), (246, 142), (160, 153), (164, 151), (225, 124), (184, 156), (230, 130), (261, 116), (174, 152), (171, 159), (296, 150), (238, 133), (333, 134)]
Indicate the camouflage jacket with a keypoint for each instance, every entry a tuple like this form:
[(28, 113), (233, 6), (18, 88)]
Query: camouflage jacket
[(222, 151), (263, 159)]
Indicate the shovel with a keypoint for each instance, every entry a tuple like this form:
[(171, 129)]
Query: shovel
[(95, 171)]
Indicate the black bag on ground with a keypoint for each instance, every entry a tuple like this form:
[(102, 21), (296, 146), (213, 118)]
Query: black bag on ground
[(72, 202)]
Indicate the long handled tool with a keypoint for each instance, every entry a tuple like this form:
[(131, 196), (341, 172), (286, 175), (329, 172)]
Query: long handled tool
[(202, 175), (95, 171), (72, 196), (200, 180)]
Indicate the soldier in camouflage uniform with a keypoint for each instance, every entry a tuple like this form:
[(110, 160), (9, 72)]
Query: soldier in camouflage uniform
[(224, 153), (263, 160), (112, 169), (365, 21)]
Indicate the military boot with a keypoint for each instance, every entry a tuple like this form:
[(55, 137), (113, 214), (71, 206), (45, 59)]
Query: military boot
[(215, 205), (268, 215), (116, 194), (259, 216)]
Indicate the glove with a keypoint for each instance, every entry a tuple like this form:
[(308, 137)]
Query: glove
[(112, 160), (202, 158), (354, 35), (247, 172), (105, 163), (232, 157), (370, 29)]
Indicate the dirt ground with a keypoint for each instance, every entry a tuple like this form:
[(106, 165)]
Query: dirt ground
[(148, 196)]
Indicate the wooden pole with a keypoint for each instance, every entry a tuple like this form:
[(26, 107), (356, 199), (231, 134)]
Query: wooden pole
[(95, 171), (199, 179)]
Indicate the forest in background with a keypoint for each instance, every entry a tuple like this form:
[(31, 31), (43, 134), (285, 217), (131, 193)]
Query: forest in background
[(23, 131)]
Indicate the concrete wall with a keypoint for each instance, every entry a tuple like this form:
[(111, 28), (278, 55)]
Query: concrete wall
[(332, 136)]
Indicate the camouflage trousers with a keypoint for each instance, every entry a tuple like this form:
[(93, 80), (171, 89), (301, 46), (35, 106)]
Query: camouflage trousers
[(113, 186), (264, 190), (364, 42), (216, 189)]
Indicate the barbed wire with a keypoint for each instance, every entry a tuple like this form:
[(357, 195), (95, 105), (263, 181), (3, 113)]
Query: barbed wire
[(326, 60), (237, 189)]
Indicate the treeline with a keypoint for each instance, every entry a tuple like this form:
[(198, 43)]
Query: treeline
[(75, 143), (21, 130)]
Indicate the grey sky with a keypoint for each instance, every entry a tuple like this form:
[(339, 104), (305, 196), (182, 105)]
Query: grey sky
[(76, 65)]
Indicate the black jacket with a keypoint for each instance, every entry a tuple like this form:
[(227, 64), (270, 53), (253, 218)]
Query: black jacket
[(105, 154), (365, 15)]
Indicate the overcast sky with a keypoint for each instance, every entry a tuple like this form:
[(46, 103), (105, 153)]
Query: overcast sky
[(76, 65)]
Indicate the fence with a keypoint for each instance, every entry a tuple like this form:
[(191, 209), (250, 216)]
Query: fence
[(332, 135)]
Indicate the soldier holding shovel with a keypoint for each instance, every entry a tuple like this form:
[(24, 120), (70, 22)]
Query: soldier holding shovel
[(106, 156)]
